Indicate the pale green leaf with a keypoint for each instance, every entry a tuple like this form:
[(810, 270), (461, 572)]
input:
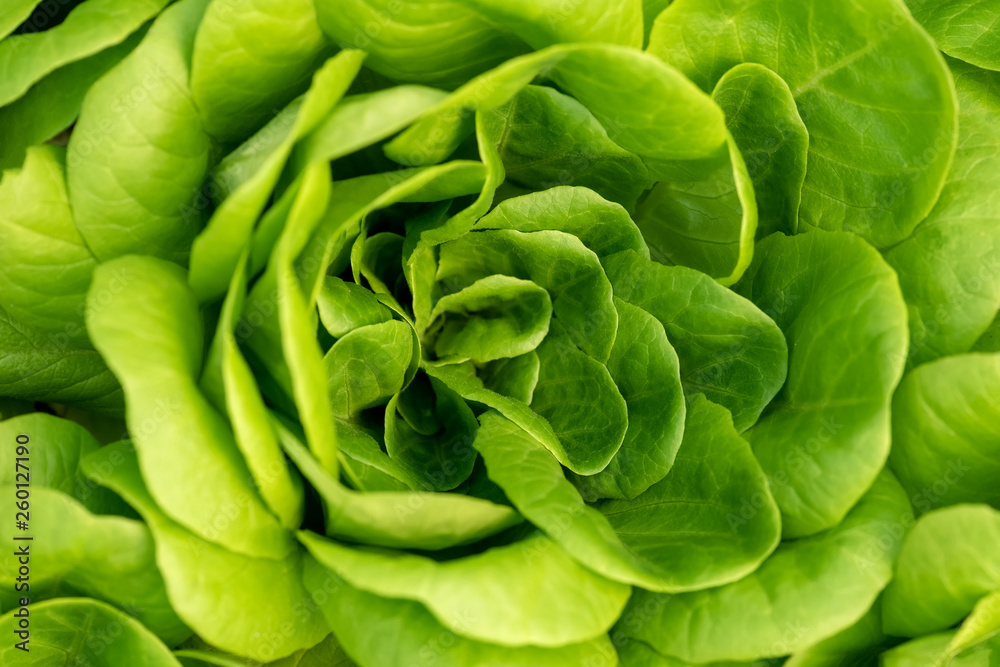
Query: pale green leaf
[(825, 436)]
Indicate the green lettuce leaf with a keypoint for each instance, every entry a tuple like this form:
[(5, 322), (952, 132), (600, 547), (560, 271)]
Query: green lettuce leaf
[(874, 94), (52, 104), (948, 562), (728, 349), (63, 632), (766, 126), (949, 269), (398, 519), (496, 608), (45, 266), (447, 43), (646, 541), (91, 27), (216, 251), (138, 154), (825, 436), (144, 319), (210, 587), (250, 58), (109, 558), (551, 140), (363, 620), (807, 590), (964, 29), (946, 431)]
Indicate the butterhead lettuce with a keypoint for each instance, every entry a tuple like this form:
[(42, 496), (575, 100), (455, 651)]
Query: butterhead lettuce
[(400, 333)]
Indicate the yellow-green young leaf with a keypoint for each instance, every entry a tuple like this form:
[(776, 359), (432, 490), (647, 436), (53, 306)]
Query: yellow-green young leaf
[(931, 651), (429, 231), (45, 266), (648, 107), (730, 519), (251, 57), (350, 201), (949, 561), (243, 162), (138, 155), (949, 268), (704, 215), (447, 43), (229, 383), (964, 29), (362, 621), (417, 406), (874, 94), (82, 631), (946, 431), (555, 261), (443, 458), (826, 434), (980, 626), (472, 386), (91, 27), (378, 260), (496, 317), (515, 377), (361, 120), (576, 410), (552, 238), (602, 226), (367, 467), (856, 646), (53, 103), (497, 608), (216, 251), (299, 347), (211, 588), (576, 394), (661, 527), (144, 319), (807, 590)]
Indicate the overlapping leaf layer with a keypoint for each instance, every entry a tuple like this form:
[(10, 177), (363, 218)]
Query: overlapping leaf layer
[(480, 332)]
